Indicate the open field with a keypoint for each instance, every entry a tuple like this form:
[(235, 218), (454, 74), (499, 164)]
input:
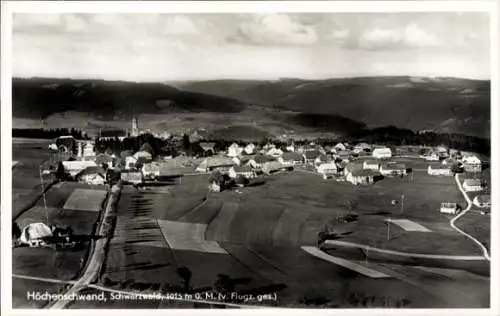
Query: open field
[(262, 229), (23, 287), (85, 200)]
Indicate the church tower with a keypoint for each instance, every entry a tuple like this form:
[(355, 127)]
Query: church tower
[(135, 127)]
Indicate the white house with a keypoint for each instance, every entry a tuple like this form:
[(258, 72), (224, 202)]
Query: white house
[(472, 185), (74, 167), (220, 163), (249, 149), (432, 157), (340, 146), (471, 159), (482, 201), (272, 166), (130, 162), (151, 170), (143, 156), (310, 156), (33, 233), (245, 171), (382, 153), (274, 152), (439, 170), (327, 169), (449, 208), (357, 177), (131, 177), (392, 168), (291, 159), (92, 175), (321, 159), (371, 165), (234, 150), (290, 148)]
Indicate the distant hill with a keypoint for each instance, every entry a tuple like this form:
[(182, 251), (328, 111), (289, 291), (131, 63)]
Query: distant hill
[(448, 105), (40, 98)]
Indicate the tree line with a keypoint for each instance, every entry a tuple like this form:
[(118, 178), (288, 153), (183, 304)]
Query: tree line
[(42, 133)]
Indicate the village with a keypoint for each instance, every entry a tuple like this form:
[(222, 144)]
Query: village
[(236, 165)]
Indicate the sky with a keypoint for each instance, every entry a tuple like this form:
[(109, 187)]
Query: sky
[(169, 47)]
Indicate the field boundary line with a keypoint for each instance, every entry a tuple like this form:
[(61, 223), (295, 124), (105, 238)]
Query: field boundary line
[(48, 280), (399, 253), (454, 219)]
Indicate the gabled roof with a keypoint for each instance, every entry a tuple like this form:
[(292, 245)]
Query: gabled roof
[(293, 156), (311, 154), (364, 173), (472, 182), (207, 145), (262, 158), (91, 170), (242, 168)]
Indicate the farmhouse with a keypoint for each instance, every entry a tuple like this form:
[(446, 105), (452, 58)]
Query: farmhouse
[(321, 159), (432, 156), (437, 170), (482, 201), (328, 169), (92, 175), (471, 159), (291, 159), (74, 167), (234, 150), (143, 156), (272, 166), (310, 156), (382, 153), (33, 233), (249, 149), (392, 168), (216, 163), (130, 162), (343, 155), (340, 147), (361, 177), (371, 165), (274, 152), (290, 148), (258, 161), (471, 163), (131, 177), (106, 160), (245, 171), (449, 208), (448, 161), (472, 185), (151, 170)]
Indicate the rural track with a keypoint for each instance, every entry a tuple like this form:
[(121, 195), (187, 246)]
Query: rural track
[(465, 211), (399, 253), (95, 261)]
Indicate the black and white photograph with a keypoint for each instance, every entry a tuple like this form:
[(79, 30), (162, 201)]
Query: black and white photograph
[(322, 159)]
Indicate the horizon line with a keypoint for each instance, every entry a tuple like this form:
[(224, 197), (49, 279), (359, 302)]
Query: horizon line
[(249, 78)]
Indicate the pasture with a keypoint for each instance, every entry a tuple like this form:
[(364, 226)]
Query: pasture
[(85, 200)]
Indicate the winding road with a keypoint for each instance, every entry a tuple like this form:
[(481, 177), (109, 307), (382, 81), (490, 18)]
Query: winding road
[(467, 209)]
